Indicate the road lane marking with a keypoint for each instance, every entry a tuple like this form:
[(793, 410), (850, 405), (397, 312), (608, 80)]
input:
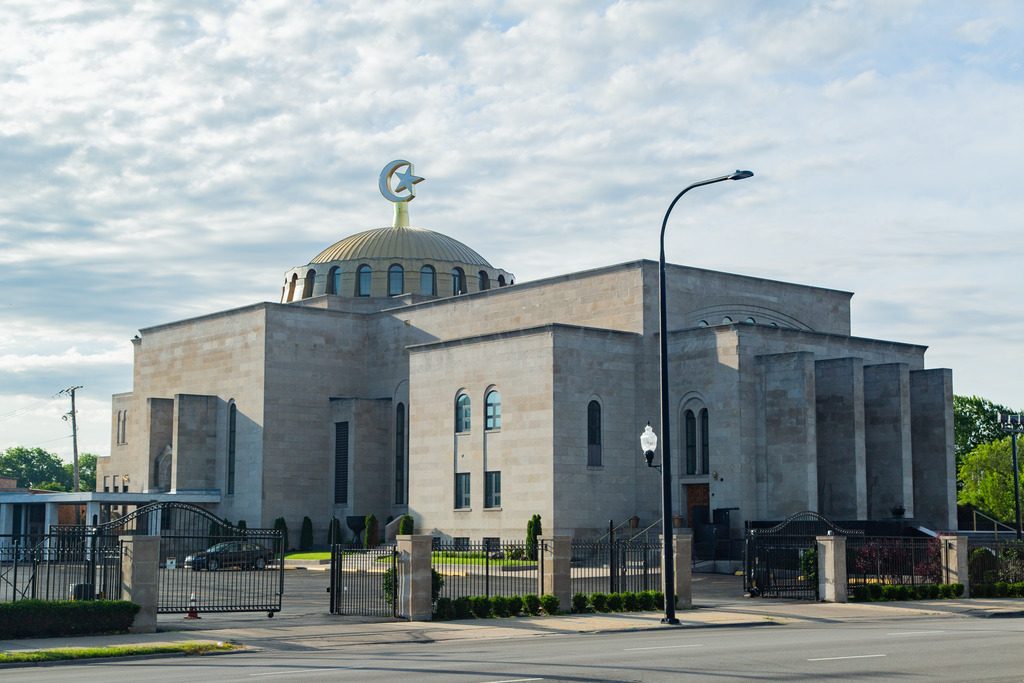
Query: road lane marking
[(289, 673), (515, 680), (829, 659), (915, 633), (660, 647)]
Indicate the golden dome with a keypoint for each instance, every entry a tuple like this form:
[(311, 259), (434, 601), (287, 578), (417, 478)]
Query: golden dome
[(400, 243)]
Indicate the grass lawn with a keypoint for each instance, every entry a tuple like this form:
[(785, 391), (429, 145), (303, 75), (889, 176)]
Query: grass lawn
[(323, 555), (188, 648), (475, 558)]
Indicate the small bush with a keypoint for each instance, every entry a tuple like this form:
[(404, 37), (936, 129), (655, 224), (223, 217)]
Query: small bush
[(515, 605), (579, 603), (874, 591), (980, 590), (40, 619), (371, 534), (615, 602), (532, 604), (306, 535), (646, 600), (599, 602), (444, 610), (499, 606), (659, 599), (859, 594), (630, 602), (958, 590), (406, 525), (462, 608), (334, 534), (549, 603), (516, 552), (480, 605), (281, 525)]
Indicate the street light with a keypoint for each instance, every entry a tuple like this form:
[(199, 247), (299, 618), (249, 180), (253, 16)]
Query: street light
[(1014, 425), (666, 459), (648, 444)]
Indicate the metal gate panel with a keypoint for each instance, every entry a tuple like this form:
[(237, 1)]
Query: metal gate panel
[(366, 581)]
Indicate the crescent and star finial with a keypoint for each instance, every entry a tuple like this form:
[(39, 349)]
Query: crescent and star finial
[(406, 181)]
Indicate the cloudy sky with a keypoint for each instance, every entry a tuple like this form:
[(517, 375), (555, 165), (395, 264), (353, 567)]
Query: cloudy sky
[(161, 160)]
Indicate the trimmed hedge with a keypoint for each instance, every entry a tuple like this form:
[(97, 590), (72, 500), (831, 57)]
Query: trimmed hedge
[(627, 601), (483, 607), (875, 592), (39, 618), (999, 589)]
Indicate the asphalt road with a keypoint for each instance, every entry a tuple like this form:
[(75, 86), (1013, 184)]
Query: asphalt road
[(941, 649)]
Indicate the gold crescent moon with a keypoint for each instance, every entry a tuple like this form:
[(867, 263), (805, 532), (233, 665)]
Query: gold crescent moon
[(385, 181)]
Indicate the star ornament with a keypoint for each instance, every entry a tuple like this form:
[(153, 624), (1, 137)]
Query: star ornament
[(407, 181)]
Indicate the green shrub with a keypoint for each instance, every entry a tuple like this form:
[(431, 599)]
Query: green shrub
[(875, 591), (859, 594), (533, 531), (532, 604), (979, 590), (499, 606), (659, 599), (549, 603), (579, 603), (958, 590), (630, 602), (515, 605), (406, 525), (599, 602), (646, 600), (334, 534), (306, 535), (387, 585), (999, 588), (241, 524), (615, 602), (281, 525), (371, 534), (444, 610), (462, 608), (480, 605), (809, 564), (41, 619), (515, 552)]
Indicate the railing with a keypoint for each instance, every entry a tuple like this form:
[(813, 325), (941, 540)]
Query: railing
[(991, 562), (364, 581), (615, 567), (782, 566), (894, 561), (58, 567), (467, 569), (997, 526)]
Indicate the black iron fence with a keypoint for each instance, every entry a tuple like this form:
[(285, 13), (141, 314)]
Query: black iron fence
[(488, 568), (60, 567), (893, 561), (782, 566), (616, 566), (365, 581), (994, 561)]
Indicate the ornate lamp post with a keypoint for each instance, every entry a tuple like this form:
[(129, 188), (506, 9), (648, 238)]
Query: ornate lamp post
[(666, 459), (1014, 425)]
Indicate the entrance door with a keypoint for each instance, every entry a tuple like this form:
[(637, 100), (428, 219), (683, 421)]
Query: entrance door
[(697, 495)]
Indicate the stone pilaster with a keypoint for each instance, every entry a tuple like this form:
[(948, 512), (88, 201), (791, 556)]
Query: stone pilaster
[(415, 577), (954, 562), (140, 572), (832, 568), (556, 577), (682, 554)]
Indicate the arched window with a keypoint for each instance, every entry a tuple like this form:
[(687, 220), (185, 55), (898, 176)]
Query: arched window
[(750, 321), (428, 281), (593, 434), (232, 426), (364, 274), (400, 478), (396, 280), (492, 410), (704, 443), (726, 320), (291, 287), (462, 413), (307, 285), (501, 280), (702, 323), (334, 280), (458, 281), (485, 282), (690, 422)]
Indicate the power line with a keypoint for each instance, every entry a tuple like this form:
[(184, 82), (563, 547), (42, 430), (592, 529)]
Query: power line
[(19, 411)]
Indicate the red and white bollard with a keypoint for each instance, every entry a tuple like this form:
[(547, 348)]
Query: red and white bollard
[(192, 612)]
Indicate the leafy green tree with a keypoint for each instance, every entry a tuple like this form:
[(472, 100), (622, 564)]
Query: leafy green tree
[(986, 479), (975, 422), (306, 534), (86, 472), (33, 467)]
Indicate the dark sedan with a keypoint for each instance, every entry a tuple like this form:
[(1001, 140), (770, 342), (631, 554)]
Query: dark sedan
[(240, 554)]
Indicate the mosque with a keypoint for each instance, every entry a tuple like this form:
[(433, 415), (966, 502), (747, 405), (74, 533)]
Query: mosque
[(402, 372)]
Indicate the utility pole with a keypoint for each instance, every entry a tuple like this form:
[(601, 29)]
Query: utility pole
[(70, 391)]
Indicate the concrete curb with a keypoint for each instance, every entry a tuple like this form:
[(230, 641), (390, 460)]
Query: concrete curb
[(125, 658)]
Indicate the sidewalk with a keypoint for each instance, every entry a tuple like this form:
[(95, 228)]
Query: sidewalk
[(325, 632)]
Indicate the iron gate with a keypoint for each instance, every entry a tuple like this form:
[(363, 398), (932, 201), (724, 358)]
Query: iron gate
[(782, 561), (366, 582), (60, 566), (206, 564)]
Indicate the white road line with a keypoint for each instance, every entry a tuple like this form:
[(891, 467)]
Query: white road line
[(660, 647), (289, 673), (915, 633), (829, 659), (515, 680)]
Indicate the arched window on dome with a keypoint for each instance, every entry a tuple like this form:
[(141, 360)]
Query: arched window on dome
[(396, 279), (334, 280), (428, 281), (485, 282), (307, 284), (501, 280), (364, 275), (291, 287), (458, 281)]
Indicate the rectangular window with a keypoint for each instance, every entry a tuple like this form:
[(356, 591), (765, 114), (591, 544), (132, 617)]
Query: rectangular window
[(593, 434), (492, 489), (461, 542), (691, 442), (117, 483), (106, 484), (341, 463), (462, 490), (232, 426), (492, 544), (400, 485)]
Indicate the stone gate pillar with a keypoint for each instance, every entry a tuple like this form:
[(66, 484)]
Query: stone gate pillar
[(831, 568), (556, 577), (682, 557), (415, 577), (954, 562), (140, 579)]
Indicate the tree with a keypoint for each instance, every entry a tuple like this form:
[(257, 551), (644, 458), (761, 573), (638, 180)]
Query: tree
[(306, 534), (533, 531), (86, 472), (975, 422), (986, 479), (33, 467), (371, 534)]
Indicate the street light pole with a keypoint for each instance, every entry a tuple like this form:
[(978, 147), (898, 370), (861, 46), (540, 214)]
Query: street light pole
[(666, 451), (1014, 425)]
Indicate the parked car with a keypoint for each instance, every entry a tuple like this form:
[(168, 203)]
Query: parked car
[(242, 554)]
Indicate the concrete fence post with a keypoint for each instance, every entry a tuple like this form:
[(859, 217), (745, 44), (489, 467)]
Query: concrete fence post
[(414, 586), (682, 553), (954, 562), (140, 579), (556, 577), (832, 568)]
